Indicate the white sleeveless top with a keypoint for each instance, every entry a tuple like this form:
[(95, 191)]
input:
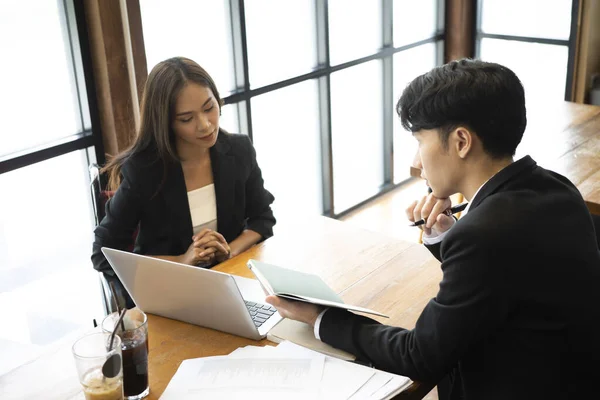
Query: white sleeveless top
[(203, 208)]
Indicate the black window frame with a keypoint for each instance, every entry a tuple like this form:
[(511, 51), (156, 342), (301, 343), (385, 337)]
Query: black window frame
[(570, 43), (242, 95), (88, 139)]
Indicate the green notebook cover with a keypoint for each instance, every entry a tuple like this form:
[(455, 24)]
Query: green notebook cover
[(298, 285), (292, 283)]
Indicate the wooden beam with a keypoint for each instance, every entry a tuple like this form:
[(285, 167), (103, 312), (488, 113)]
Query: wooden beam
[(460, 29), (137, 45), (109, 49)]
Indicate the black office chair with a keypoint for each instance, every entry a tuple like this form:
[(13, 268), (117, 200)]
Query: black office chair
[(99, 198)]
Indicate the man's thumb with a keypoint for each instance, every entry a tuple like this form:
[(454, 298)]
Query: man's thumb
[(444, 222)]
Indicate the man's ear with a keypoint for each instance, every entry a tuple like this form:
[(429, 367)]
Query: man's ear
[(462, 140)]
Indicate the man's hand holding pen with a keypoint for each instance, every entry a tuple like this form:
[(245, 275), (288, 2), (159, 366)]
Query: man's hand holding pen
[(434, 212)]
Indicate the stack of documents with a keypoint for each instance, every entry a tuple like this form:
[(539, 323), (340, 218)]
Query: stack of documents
[(287, 371)]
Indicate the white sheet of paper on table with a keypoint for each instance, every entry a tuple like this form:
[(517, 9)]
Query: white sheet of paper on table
[(373, 385), (380, 385), (341, 379), (253, 351), (287, 371), (236, 377), (291, 374), (393, 387)]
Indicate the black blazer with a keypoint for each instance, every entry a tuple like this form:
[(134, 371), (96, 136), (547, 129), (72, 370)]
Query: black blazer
[(517, 315), (163, 213)]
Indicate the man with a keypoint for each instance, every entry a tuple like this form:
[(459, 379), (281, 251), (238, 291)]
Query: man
[(517, 315)]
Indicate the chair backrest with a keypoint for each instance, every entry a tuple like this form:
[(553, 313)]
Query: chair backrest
[(100, 196), (98, 184)]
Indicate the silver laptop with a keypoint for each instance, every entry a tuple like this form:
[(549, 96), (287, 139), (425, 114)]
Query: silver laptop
[(204, 297)]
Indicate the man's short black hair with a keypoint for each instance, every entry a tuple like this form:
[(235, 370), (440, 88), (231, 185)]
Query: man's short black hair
[(486, 98)]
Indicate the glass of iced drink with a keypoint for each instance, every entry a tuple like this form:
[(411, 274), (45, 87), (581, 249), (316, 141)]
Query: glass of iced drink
[(95, 360), (134, 345)]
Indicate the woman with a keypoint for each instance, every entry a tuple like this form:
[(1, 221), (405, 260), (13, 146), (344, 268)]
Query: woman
[(194, 192)]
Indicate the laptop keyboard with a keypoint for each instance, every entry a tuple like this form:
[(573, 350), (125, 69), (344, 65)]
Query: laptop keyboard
[(259, 312)]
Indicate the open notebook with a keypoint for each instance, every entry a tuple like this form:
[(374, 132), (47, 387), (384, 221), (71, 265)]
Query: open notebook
[(300, 286)]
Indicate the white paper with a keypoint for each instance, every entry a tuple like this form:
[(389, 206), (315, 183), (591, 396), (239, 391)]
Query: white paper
[(258, 373), (393, 387), (382, 385), (237, 377), (341, 379), (377, 381), (378, 384), (288, 371), (253, 352)]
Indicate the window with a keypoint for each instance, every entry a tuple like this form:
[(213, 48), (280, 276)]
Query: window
[(313, 83), (524, 18), (416, 20), (354, 29), (542, 68), (289, 118), (199, 30), (281, 40), (229, 118), (537, 49), (357, 131), (48, 288), (408, 65), (41, 110)]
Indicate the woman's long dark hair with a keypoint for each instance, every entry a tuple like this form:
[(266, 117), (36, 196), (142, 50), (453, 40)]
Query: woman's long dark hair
[(162, 88)]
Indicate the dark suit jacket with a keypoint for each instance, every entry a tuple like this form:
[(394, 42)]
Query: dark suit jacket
[(163, 213), (517, 314)]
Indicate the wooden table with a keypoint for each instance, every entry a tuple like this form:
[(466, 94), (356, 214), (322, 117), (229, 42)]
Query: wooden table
[(368, 269), (565, 137)]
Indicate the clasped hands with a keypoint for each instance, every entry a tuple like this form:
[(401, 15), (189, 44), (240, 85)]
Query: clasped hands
[(429, 207), (207, 246)]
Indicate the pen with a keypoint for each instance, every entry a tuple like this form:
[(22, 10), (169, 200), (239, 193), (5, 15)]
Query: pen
[(452, 210)]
